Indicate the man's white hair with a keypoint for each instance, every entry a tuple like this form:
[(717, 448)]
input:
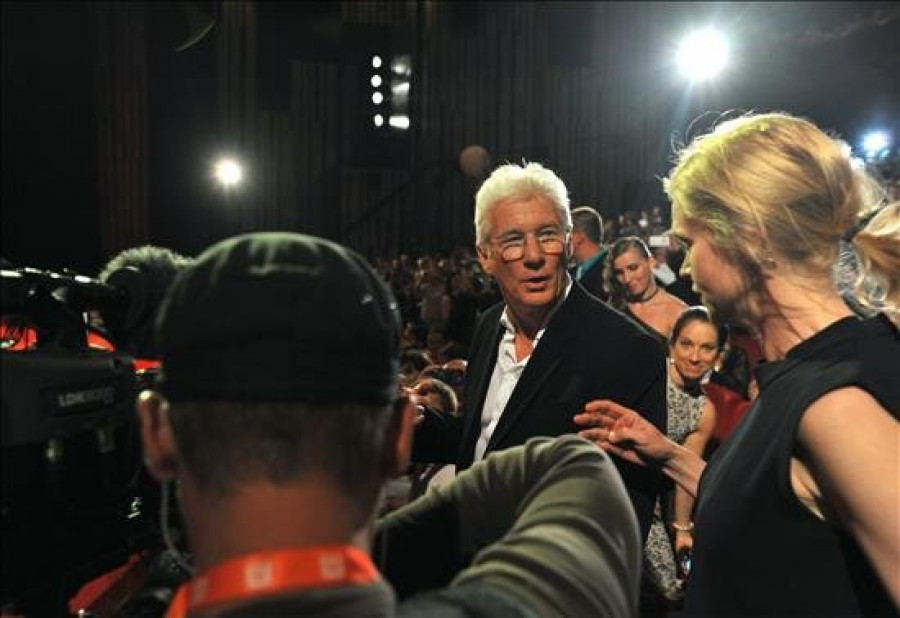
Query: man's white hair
[(512, 181)]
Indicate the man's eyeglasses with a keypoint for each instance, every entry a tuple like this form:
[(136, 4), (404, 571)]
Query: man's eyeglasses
[(512, 247)]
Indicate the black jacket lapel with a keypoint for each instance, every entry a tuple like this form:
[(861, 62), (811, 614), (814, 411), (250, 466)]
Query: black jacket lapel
[(478, 374), (544, 363)]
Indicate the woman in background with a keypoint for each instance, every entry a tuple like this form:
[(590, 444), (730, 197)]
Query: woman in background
[(694, 348), (633, 289)]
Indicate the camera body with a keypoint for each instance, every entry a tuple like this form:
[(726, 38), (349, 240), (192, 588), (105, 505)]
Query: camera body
[(76, 500)]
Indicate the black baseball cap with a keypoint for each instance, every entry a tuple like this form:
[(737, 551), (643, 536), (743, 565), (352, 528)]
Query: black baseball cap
[(279, 317)]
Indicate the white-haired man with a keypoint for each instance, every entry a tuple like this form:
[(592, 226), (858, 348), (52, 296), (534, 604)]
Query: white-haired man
[(549, 347)]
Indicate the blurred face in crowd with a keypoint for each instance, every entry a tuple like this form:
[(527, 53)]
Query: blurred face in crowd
[(526, 254), (634, 272), (434, 341), (429, 397), (695, 350), (661, 254), (462, 280)]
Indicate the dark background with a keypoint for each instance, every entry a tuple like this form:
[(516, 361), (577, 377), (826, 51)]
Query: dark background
[(109, 133)]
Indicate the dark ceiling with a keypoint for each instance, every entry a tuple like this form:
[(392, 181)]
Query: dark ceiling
[(838, 62)]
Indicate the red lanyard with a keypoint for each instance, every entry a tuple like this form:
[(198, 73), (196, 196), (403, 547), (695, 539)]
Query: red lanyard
[(273, 572)]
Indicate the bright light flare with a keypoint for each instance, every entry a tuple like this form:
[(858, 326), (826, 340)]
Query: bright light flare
[(228, 172), (400, 88), (702, 55), (400, 65), (399, 122), (876, 143)]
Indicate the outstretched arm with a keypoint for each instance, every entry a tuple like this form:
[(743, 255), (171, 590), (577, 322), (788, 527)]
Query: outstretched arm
[(625, 433), (549, 524)]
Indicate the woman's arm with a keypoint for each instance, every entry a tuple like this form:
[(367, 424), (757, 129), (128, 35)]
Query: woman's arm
[(626, 434), (695, 442), (850, 446)]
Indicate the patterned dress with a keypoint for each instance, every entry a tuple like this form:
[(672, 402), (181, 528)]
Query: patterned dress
[(660, 573)]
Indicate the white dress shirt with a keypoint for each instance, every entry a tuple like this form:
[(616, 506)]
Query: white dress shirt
[(507, 371)]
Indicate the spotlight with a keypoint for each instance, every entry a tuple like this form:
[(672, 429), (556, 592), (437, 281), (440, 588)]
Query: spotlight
[(401, 65), (702, 55), (228, 172), (399, 122), (376, 62), (876, 144), (377, 98), (376, 81), (400, 88), (378, 120)]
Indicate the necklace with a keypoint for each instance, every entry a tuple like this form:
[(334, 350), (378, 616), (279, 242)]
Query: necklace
[(649, 298)]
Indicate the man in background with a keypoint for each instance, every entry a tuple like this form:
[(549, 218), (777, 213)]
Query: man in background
[(588, 251)]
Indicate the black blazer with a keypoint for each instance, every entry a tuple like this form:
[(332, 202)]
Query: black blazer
[(588, 351)]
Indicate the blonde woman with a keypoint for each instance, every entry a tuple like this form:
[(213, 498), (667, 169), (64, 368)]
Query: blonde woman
[(797, 514)]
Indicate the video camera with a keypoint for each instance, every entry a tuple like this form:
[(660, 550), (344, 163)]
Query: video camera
[(76, 500)]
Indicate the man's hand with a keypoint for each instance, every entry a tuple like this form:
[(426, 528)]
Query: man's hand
[(625, 433)]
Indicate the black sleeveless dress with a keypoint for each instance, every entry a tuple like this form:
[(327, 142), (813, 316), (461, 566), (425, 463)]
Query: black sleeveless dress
[(758, 551), (662, 339)]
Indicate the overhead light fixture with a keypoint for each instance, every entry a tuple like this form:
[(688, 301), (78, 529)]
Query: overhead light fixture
[(228, 172), (702, 55)]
